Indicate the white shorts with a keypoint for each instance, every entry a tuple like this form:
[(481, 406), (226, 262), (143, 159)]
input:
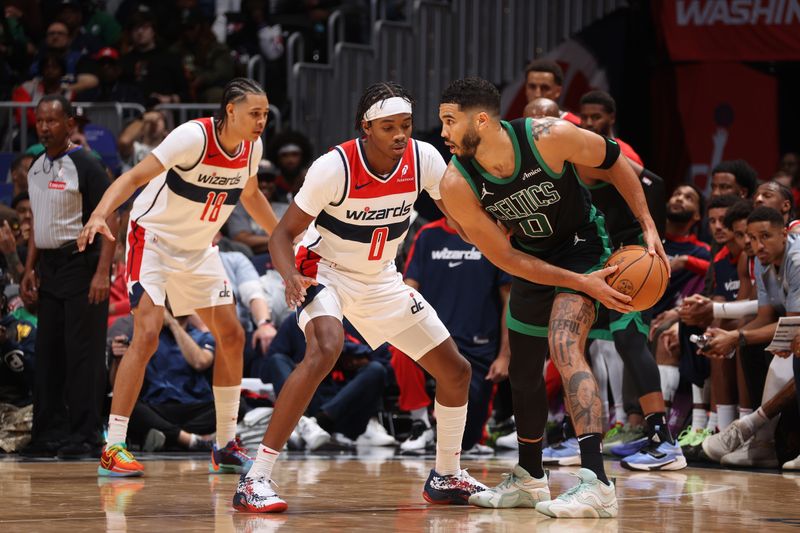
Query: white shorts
[(191, 279), (380, 306)]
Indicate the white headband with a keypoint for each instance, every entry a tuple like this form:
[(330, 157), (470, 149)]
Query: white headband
[(386, 108)]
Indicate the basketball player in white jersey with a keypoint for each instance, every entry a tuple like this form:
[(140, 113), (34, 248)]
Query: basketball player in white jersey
[(193, 179), (355, 202)]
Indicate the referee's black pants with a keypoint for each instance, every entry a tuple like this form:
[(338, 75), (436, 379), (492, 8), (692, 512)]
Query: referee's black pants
[(70, 380)]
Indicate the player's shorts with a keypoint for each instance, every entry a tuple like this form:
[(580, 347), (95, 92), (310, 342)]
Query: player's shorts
[(530, 303), (609, 321), (380, 306), (192, 279)]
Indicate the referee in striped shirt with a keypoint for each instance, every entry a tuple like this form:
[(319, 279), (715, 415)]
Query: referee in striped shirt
[(65, 184)]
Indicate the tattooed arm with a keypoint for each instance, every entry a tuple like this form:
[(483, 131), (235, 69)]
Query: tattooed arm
[(481, 230), (559, 141)]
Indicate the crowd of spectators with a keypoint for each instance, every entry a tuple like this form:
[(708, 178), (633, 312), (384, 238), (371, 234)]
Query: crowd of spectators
[(732, 245)]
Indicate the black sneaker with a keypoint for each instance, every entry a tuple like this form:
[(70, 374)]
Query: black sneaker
[(77, 450), (39, 449)]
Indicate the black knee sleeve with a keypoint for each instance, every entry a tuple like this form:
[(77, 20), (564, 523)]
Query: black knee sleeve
[(639, 361), (526, 374)]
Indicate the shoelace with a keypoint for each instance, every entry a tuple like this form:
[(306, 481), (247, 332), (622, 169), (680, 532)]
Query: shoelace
[(237, 449), (508, 480), (569, 493), (121, 451)]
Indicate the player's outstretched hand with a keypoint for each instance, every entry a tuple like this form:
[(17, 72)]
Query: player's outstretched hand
[(96, 224), (296, 286), (597, 288), (652, 241)]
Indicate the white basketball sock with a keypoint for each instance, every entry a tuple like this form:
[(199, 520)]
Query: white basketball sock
[(226, 403), (117, 429), (753, 422), (450, 423), (711, 425), (670, 379), (265, 460), (726, 414)]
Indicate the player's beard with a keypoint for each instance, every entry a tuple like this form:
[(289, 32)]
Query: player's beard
[(680, 216), (470, 143)]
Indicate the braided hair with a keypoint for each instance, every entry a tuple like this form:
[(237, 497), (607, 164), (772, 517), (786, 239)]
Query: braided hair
[(235, 91), (377, 92)]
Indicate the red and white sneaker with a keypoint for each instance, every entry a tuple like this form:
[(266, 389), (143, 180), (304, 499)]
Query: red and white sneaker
[(451, 490), (255, 495)]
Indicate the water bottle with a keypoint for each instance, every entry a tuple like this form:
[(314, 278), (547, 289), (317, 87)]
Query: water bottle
[(700, 340)]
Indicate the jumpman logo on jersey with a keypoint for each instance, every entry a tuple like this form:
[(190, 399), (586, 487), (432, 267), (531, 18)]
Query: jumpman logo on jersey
[(577, 240), (485, 192)]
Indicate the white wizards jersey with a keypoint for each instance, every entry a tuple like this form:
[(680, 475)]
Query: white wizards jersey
[(361, 216), (188, 203)]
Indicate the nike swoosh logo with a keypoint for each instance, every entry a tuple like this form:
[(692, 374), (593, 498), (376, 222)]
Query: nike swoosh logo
[(453, 264), (361, 186)]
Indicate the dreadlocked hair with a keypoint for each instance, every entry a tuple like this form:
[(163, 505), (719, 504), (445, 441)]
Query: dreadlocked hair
[(377, 92), (236, 90)]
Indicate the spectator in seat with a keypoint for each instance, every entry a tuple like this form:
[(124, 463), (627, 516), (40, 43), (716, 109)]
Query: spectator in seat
[(111, 87), (19, 173), (53, 68), (598, 114), (176, 405), (156, 71), (207, 63), (291, 153), (79, 74), (544, 79), (241, 227), (17, 351), (140, 136)]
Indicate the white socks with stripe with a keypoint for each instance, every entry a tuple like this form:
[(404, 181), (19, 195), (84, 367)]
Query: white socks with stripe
[(450, 423), (265, 460), (117, 429), (226, 403)]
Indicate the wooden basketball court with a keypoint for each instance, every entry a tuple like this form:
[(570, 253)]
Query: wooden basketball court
[(374, 492)]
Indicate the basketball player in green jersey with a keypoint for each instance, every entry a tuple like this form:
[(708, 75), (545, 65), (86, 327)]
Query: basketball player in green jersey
[(519, 176)]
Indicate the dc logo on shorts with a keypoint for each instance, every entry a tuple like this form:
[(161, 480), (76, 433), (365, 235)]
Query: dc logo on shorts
[(225, 292), (416, 307)]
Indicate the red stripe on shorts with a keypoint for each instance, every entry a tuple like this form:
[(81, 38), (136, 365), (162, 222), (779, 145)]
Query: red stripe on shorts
[(135, 251)]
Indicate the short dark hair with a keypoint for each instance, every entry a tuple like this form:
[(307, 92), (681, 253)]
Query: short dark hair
[(472, 93), (738, 211), (61, 99), (234, 91), (19, 198), (17, 162), (546, 65), (377, 92), (726, 201), (745, 175), (766, 214), (785, 191), (601, 98)]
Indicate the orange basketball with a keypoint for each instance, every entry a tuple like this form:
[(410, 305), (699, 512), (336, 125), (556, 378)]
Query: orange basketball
[(640, 275)]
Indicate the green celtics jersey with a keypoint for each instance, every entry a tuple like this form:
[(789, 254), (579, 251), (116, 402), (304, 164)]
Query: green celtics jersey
[(541, 207)]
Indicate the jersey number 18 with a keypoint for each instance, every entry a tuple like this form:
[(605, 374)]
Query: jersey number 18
[(214, 202)]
